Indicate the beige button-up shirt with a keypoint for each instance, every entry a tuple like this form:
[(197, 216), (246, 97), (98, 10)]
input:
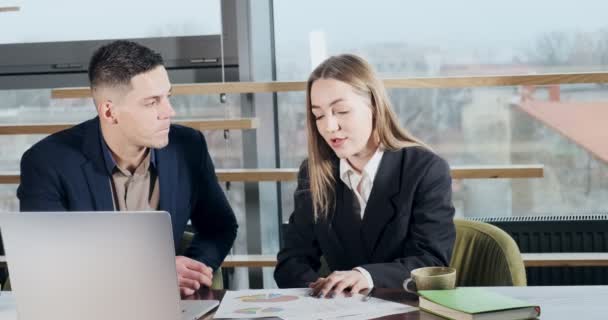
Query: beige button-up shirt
[(137, 191)]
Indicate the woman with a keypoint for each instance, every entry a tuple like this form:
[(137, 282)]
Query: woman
[(372, 200)]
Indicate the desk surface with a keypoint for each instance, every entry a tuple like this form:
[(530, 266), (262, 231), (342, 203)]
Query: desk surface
[(563, 302)]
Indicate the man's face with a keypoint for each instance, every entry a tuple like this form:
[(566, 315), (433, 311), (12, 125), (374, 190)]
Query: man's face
[(143, 113)]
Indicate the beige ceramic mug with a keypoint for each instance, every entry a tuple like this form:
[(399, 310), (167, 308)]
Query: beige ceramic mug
[(431, 278)]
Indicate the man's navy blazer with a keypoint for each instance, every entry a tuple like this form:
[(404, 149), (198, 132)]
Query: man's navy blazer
[(66, 172)]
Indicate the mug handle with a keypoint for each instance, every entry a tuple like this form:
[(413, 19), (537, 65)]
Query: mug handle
[(406, 285)]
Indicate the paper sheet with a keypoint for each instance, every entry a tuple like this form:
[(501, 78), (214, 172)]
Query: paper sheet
[(296, 304)]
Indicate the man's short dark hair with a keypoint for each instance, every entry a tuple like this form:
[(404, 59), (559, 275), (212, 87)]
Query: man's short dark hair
[(114, 64)]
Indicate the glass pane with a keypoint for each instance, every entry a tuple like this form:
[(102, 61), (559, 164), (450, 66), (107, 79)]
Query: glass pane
[(469, 126), (128, 19), (35, 106), (560, 127), (430, 38)]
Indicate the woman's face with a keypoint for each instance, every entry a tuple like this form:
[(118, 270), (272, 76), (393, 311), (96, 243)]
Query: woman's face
[(343, 117)]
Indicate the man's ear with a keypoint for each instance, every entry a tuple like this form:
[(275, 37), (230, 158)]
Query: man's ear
[(106, 108), (107, 111)]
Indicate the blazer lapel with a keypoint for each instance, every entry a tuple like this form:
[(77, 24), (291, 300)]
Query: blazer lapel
[(167, 174), (99, 185), (381, 207), (94, 169)]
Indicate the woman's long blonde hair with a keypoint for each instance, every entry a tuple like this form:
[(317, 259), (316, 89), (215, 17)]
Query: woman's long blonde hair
[(356, 72)]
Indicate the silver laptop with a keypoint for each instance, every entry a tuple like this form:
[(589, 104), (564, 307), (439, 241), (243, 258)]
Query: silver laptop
[(94, 266)]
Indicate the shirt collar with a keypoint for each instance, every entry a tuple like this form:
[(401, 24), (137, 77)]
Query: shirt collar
[(109, 160), (370, 169)]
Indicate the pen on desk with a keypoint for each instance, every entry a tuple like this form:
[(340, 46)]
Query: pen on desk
[(369, 294)]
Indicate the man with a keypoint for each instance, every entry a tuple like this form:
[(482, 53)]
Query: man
[(130, 158)]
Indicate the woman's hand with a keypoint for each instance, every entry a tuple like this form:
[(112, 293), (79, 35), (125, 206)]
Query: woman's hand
[(338, 282)]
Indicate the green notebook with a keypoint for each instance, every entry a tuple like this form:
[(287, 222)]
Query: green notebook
[(475, 304)]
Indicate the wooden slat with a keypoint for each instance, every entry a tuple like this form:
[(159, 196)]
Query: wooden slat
[(72, 93), (458, 172), (561, 259), (586, 259), (221, 124), (496, 172), (231, 261), (9, 177), (250, 260), (290, 174), (223, 175), (238, 87), (255, 175), (29, 128), (10, 9), (207, 124), (436, 82), (499, 81), (198, 89)]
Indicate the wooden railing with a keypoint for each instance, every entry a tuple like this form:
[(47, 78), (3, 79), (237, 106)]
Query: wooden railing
[(436, 82), (290, 174), (458, 172), (250, 260), (256, 175), (10, 9), (498, 172), (206, 124), (7, 177), (561, 259), (566, 259)]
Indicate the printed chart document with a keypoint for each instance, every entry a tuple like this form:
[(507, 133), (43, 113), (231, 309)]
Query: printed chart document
[(296, 304)]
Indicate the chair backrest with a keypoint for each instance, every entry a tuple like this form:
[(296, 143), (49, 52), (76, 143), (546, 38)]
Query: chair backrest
[(218, 278), (485, 255)]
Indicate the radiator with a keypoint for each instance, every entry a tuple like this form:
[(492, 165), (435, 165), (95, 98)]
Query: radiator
[(577, 233)]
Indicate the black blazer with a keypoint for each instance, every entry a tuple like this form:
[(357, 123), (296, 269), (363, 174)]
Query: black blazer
[(408, 223), (66, 172)]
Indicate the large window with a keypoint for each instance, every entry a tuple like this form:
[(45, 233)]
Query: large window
[(469, 126), (180, 35)]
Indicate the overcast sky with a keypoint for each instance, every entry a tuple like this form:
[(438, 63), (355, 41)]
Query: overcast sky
[(452, 23)]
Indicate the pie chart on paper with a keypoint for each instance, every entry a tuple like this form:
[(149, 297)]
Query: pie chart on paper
[(257, 310)]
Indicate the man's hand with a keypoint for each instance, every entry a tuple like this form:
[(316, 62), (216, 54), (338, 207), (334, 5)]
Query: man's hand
[(191, 275), (338, 282)]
